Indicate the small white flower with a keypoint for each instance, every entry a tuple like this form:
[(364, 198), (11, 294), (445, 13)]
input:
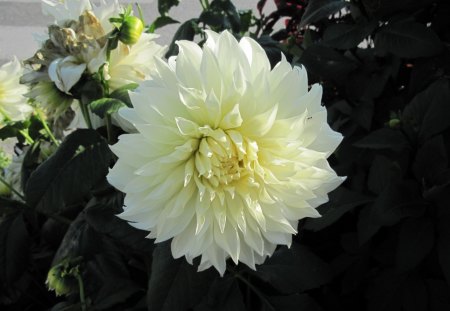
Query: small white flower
[(229, 154), (13, 105), (66, 72)]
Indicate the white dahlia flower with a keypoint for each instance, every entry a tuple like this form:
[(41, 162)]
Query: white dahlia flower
[(13, 105), (229, 154)]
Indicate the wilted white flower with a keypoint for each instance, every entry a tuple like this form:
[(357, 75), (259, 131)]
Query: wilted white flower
[(229, 155), (77, 46), (13, 105)]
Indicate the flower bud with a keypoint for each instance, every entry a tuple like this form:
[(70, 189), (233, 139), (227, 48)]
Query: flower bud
[(61, 278), (394, 123), (131, 30)]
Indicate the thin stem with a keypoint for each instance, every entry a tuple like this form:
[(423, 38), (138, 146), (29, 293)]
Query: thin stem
[(24, 133), (46, 128), (85, 112), (109, 128), (205, 4), (141, 14), (27, 137), (82, 295), (7, 184)]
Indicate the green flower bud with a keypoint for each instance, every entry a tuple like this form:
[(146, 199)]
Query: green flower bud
[(131, 30), (394, 123), (61, 278)]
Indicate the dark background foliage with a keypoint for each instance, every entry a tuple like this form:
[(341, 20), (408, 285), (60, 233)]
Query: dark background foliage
[(383, 242)]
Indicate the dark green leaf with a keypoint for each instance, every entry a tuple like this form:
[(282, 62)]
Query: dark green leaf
[(382, 171), (398, 200), (429, 112), (341, 201), (67, 176), (164, 6), (431, 159), (384, 138), (317, 10), (438, 292), (122, 93), (175, 285), (326, 62), (347, 36), (185, 32), (367, 228), (408, 39), (101, 216), (161, 21), (415, 241), (415, 296), (106, 106), (443, 245), (295, 269), (14, 250), (301, 302), (224, 295), (214, 19)]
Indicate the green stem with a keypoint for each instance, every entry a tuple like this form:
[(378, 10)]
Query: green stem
[(109, 128), (82, 295), (46, 128), (205, 4), (85, 112), (24, 133), (27, 137), (7, 184), (141, 14)]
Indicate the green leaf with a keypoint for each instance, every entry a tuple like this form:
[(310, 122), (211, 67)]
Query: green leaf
[(327, 62), (443, 246), (213, 19), (161, 21), (408, 39), (384, 138), (67, 176), (295, 269), (164, 6), (429, 112), (106, 106), (122, 93), (101, 215), (224, 294), (175, 285), (341, 202), (398, 200), (14, 250), (185, 32), (415, 241), (346, 36), (317, 10), (301, 302), (381, 172)]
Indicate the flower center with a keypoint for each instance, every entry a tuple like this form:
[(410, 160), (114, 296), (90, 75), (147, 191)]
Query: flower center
[(223, 157)]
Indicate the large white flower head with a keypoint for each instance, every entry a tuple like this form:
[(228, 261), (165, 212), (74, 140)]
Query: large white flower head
[(229, 154), (13, 105)]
